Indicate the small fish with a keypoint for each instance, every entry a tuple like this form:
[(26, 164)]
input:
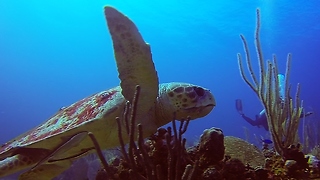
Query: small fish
[(312, 160), (267, 141)]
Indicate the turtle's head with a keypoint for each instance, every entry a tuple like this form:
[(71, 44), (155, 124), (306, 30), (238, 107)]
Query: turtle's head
[(185, 100)]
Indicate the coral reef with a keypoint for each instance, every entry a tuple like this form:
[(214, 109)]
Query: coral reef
[(211, 141), (244, 151), (214, 157), (316, 151)]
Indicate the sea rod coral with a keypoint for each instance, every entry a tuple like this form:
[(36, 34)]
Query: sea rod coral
[(144, 159), (283, 113)]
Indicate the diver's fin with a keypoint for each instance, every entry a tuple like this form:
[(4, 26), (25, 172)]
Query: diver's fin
[(45, 171), (306, 114), (239, 106)]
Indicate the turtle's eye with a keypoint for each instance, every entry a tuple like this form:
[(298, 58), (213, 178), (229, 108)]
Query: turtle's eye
[(199, 91)]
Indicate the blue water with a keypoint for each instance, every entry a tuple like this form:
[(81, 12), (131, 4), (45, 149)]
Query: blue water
[(54, 53)]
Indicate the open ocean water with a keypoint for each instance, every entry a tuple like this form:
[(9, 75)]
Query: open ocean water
[(54, 53)]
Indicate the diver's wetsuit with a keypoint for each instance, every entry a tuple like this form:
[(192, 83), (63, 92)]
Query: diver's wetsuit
[(261, 119)]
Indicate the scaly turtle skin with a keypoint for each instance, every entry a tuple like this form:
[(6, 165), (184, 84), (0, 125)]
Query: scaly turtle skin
[(50, 148)]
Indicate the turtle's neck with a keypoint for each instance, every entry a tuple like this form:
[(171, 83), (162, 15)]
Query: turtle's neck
[(163, 113)]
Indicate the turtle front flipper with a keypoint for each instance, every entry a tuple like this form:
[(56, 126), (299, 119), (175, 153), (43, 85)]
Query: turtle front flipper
[(60, 152), (134, 60)]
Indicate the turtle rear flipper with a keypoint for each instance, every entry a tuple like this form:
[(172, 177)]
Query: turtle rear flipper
[(15, 163), (46, 171), (56, 161), (22, 158)]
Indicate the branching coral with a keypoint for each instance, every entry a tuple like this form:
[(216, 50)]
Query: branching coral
[(283, 114)]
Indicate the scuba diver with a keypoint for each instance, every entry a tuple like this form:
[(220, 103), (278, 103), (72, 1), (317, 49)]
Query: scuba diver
[(261, 118)]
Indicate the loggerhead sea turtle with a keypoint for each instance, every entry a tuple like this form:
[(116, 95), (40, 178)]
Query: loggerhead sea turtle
[(50, 148)]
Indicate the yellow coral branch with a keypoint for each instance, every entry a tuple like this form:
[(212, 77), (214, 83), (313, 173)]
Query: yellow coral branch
[(283, 115)]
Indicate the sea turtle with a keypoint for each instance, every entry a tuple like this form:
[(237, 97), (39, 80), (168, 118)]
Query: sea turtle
[(50, 148)]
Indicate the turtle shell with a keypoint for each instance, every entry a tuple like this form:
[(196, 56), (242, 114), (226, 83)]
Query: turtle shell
[(89, 114)]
